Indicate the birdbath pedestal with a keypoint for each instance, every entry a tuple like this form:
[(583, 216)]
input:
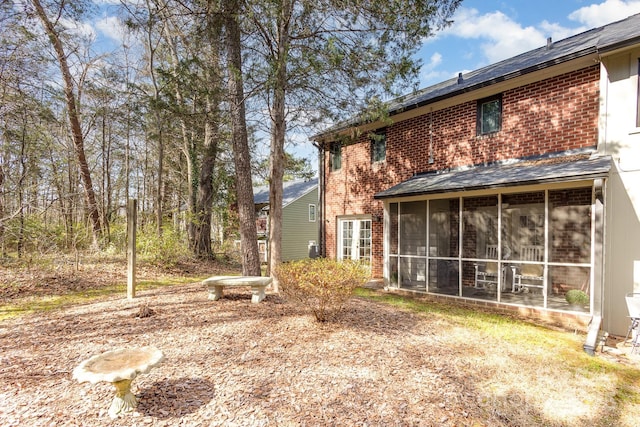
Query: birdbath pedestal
[(119, 367)]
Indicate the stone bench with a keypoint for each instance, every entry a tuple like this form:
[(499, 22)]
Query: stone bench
[(216, 284)]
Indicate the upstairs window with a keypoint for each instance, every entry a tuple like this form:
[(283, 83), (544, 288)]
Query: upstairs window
[(312, 213), (489, 115), (335, 158), (378, 145)]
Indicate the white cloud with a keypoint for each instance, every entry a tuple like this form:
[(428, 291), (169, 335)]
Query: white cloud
[(558, 32), (501, 37), (497, 36), (435, 60), (79, 29), (112, 28), (603, 13), (428, 71), (476, 39)]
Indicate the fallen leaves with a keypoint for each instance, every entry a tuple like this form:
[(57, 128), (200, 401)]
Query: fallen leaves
[(227, 363), (234, 363)]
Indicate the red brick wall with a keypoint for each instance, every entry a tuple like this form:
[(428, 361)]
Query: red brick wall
[(552, 115)]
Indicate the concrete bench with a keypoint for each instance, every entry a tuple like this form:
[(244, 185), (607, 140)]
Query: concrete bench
[(216, 284)]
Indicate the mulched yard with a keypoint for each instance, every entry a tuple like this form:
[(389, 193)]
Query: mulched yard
[(234, 363)]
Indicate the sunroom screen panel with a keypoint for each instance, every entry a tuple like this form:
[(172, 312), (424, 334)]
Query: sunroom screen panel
[(413, 228)]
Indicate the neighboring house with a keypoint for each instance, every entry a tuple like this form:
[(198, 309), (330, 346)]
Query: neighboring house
[(299, 218), (507, 186)]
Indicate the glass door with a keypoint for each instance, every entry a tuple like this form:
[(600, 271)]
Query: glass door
[(354, 240)]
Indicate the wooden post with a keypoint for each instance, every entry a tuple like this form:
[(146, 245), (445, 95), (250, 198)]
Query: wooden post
[(132, 220)]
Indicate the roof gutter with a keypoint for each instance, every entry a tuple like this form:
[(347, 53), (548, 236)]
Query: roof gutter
[(620, 45)]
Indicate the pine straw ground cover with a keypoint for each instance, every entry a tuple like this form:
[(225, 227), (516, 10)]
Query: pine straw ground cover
[(386, 361)]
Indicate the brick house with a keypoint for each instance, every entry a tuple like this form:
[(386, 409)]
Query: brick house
[(506, 186)]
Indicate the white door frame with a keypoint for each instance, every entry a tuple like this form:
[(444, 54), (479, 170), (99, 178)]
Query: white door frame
[(359, 238)]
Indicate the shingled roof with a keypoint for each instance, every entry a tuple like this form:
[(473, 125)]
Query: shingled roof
[(596, 41), (291, 191), (540, 171)]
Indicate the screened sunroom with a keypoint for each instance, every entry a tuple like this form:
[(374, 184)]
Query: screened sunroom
[(522, 234)]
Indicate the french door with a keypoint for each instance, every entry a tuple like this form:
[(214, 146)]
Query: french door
[(354, 240)]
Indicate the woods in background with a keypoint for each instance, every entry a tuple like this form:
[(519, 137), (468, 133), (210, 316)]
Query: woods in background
[(183, 108)]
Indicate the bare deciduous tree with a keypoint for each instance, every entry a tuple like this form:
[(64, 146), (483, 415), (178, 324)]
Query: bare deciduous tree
[(73, 114)]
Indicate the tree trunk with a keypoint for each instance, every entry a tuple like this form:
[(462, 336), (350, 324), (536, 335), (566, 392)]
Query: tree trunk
[(158, 124), (205, 186), (74, 122), (278, 131), (3, 252), (160, 171), (72, 202), (21, 190), (204, 202), (241, 153), (188, 144), (106, 175)]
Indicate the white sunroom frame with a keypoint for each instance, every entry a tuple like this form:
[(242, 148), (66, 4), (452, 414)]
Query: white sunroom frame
[(596, 236)]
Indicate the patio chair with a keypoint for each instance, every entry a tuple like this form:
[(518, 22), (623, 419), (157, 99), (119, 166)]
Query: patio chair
[(532, 274), (487, 274), (633, 306)]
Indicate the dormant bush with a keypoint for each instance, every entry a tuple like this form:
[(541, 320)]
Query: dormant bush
[(166, 250), (321, 285)]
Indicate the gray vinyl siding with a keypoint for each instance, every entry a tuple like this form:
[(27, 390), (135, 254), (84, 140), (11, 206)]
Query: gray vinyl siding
[(297, 230)]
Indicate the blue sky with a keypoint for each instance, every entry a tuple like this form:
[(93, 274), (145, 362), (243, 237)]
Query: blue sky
[(483, 32), (487, 31)]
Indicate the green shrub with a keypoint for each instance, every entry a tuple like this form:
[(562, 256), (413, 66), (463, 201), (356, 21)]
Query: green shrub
[(166, 250), (321, 285), (117, 238), (577, 297), (37, 236)]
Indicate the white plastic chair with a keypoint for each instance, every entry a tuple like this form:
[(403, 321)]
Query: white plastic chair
[(633, 306), (533, 274), (532, 253), (487, 274)]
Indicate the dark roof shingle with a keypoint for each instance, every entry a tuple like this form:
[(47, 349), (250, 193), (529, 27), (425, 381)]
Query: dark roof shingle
[(291, 191), (597, 40), (501, 175)]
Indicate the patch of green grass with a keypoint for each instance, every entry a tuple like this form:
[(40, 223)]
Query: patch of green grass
[(456, 313), (628, 390), (52, 302), (499, 325), (560, 347), (627, 393), (496, 325)]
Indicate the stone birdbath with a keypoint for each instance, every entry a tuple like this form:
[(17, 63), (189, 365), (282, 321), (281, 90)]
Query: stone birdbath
[(119, 367)]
